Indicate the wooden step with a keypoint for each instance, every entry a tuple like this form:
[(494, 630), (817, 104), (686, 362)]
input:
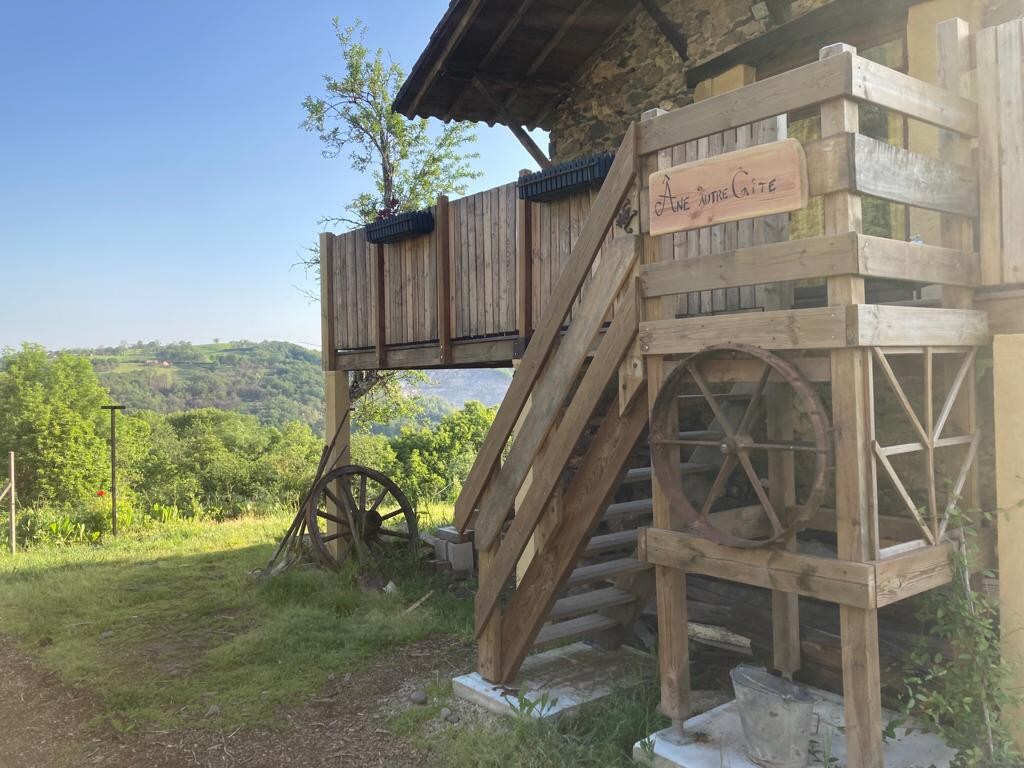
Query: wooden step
[(574, 629), (642, 474), (623, 509), (589, 602), (609, 542), (603, 571)]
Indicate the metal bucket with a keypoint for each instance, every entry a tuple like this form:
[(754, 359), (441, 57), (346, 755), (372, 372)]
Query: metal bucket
[(776, 717)]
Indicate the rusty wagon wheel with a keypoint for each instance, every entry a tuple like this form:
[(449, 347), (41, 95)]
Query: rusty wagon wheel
[(742, 443), (358, 497)]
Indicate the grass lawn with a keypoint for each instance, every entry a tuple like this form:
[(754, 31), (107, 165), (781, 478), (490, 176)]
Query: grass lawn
[(165, 624)]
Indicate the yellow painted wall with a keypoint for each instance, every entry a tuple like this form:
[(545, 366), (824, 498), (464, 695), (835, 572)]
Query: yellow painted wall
[(1008, 376)]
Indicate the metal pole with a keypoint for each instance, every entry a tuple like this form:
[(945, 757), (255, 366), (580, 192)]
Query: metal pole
[(10, 522), (113, 465)]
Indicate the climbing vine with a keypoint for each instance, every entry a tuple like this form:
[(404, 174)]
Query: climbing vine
[(962, 694)]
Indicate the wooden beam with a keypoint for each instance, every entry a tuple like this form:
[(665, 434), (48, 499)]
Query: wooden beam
[(524, 267), (672, 32), (879, 325), (854, 162), (453, 39), (560, 33), (856, 507), (517, 130), (380, 302), (442, 235), (814, 257), (328, 342), (844, 75), (822, 578)]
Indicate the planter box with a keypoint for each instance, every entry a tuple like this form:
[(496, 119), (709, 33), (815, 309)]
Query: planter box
[(400, 227), (564, 179)]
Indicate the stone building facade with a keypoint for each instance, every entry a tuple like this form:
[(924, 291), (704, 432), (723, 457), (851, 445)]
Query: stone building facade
[(640, 70)]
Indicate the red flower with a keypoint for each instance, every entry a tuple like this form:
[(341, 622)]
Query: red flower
[(101, 492)]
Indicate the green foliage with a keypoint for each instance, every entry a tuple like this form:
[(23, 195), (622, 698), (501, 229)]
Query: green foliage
[(274, 381), (962, 697), (50, 417), (410, 165)]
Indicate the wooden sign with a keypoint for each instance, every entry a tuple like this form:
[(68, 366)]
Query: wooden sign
[(759, 181)]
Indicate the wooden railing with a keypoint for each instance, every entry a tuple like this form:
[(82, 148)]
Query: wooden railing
[(486, 272)]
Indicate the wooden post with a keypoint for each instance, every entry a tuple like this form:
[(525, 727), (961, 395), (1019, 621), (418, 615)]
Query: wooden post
[(524, 268), (673, 628), (1008, 380), (856, 521), (488, 651), (444, 278), (381, 317), (11, 523), (336, 389)]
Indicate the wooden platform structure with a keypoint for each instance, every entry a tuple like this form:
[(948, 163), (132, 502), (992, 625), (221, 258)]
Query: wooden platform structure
[(596, 315)]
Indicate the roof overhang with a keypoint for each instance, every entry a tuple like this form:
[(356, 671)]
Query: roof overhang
[(508, 61)]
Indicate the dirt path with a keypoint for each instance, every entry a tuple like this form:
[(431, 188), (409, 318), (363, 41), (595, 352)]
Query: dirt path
[(45, 724)]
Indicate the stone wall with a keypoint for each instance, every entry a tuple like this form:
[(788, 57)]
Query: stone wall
[(639, 70)]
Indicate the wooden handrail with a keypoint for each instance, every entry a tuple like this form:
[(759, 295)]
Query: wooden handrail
[(558, 450), (618, 182), (844, 75)]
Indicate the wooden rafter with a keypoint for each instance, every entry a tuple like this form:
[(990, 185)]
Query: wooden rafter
[(672, 33), (520, 133), (449, 46)]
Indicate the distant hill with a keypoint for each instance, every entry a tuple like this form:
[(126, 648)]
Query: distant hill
[(272, 380)]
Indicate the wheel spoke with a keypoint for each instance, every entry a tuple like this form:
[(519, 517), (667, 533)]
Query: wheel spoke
[(389, 515), (333, 518), (710, 397), (362, 493), (333, 536), (393, 532), (330, 494), (761, 495), (755, 401), (783, 446), (376, 502), (707, 443), (728, 465)]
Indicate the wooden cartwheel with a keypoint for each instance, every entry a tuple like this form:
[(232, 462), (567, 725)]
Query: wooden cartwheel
[(742, 444), (359, 499)]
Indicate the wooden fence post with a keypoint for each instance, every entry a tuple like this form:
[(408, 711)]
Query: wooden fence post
[(444, 279), (11, 490), (524, 268)]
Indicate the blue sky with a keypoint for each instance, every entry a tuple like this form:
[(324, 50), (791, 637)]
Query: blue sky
[(154, 183)]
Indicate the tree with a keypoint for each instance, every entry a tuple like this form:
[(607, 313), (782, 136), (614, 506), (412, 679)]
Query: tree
[(410, 164)]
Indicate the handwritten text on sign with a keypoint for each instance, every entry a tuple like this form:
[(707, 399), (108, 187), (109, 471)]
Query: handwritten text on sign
[(759, 181)]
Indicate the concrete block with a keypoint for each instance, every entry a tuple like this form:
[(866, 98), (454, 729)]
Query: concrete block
[(715, 738), (440, 545), (460, 556), (563, 678), (450, 533)]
